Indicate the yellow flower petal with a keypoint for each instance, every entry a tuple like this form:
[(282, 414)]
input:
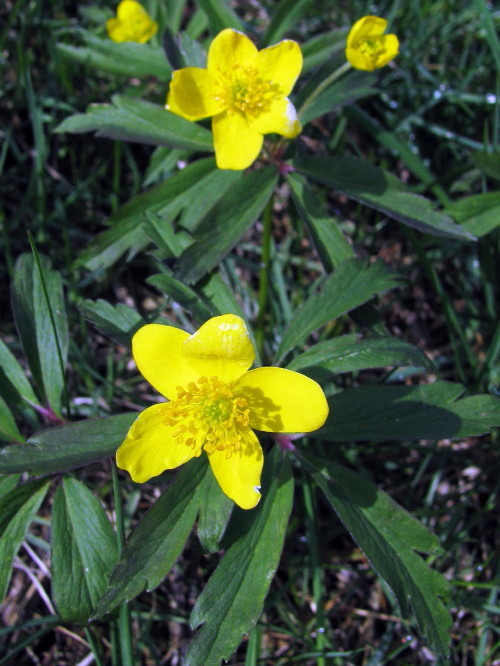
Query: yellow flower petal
[(230, 49), (149, 448), (133, 23), (117, 31), (281, 64), (391, 46), (281, 118), (157, 352), (236, 144), (368, 26), (220, 348), (281, 400), (239, 475), (191, 94)]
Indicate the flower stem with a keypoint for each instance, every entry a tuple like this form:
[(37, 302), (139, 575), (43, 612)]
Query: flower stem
[(263, 275), (323, 85), (124, 630)]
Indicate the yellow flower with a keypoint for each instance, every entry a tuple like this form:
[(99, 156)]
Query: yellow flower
[(367, 47), (132, 23), (215, 401), (244, 91)]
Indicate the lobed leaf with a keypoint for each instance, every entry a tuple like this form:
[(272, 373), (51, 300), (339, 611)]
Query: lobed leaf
[(119, 322), (391, 538), (131, 119), (83, 551), (67, 446), (349, 353), (430, 411), (17, 509), (233, 598), (158, 538), (223, 227), (354, 282), (478, 213), (380, 190)]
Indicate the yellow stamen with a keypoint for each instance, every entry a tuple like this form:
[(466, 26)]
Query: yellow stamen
[(243, 89), (206, 414)]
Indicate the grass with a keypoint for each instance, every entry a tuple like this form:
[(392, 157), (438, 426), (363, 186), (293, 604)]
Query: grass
[(434, 110)]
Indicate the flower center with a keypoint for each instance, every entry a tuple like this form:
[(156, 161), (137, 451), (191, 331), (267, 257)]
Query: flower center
[(373, 49), (242, 89), (206, 414)]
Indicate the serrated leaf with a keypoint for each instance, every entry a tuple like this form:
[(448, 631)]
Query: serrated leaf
[(119, 322), (68, 446), (380, 190), (479, 213), (430, 411), (127, 231), (233, 598), (353, 283), (327, 237), (83, 551), (10, 367), (223, 227), (286, 14), (158, 538), (17, 509), (136, 120), (8, 428), (126, 58), (34, 325), (348, 353), (215, 510), (391, 539), (220, 15)]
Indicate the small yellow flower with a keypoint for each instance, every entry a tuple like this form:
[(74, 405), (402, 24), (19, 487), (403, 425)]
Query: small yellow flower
[(244, 91), (367, 47), (215, 401), (132, 23)]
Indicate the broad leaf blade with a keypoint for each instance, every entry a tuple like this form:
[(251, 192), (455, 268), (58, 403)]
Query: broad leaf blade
[(220, 15), (391, 539), (285, 16), (132, 119), (223, 227), (158, 538), (119, 322), (353, 283), (12, 370), (349, 353), (68, 446), (233, 598), (215, 511), (378, 189), (84, 551), (8, 428), (17, 509), (430, 411)]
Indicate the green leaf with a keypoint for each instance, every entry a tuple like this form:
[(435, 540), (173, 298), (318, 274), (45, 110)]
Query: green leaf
[(220, 15), (68, 446), (119, 322), (34, 325), (479, 213), (349, 353), (380, 190), (489, 163), (320, 48), (391, 539), (8, 428), (430, 411), (127, 233), (223, 227), (8, 483), (348, 89), (158, 538), (215, 511), (233, 598), (286, 14), (132, 119), (10, 367), (17, 509), (129, 59), (354, 282), (184, 295), (327, 237), (84, 551)]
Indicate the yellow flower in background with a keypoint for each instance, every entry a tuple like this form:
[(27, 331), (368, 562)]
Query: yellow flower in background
[(215, 401), (132, 23), (244, 91), (367, 47)]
